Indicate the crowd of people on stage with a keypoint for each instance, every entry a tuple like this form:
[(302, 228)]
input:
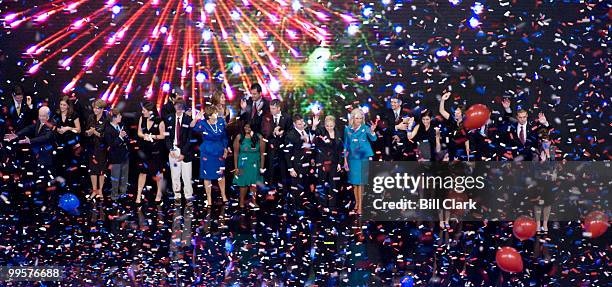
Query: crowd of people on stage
[(260, 145)]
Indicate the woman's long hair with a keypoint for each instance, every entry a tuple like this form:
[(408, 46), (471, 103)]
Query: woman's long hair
[(70, 110), (150, 106), (254, 138)]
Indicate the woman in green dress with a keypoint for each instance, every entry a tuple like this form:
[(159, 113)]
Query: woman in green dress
[(249, 150)]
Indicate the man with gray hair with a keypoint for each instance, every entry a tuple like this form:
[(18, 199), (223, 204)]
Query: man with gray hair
[(40, 137)]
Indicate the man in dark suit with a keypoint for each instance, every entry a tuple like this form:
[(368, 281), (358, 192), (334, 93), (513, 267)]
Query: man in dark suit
[(274, 128), (522, 137), (393, 127), (118, 154), (179, 143), (299, 156), (18, 111), (40, 137), (254, 109)]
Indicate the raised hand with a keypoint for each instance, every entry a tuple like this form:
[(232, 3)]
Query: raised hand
[(373, 125), (316, 120), (542, 119), (506, 103), (446, 96)]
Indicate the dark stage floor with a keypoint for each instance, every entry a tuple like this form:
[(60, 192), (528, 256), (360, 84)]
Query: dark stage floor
[(183, 244)]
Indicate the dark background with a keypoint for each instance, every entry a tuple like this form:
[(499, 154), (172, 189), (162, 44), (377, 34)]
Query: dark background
[(565, 43)]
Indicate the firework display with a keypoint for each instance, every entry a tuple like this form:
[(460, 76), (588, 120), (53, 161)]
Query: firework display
[(191, 46)]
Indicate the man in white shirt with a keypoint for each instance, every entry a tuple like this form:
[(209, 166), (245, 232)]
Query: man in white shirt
[(299, 155), (178, 142), (254, 109), (524, 137), (275, 128)]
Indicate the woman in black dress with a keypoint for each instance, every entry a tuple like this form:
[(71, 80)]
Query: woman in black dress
[(68, 128), (96, 124), (458, 142), (329, 147), (424, 135), (151, 132)]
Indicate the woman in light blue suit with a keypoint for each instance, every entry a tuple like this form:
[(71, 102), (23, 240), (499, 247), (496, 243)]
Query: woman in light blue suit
[(357, 150)]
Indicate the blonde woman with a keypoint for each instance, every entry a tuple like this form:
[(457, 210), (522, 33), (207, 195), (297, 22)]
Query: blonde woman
[(357, 150)]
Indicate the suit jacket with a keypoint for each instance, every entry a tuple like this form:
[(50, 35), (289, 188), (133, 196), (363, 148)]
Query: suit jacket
[(255, 118), (117, 148), (15, 121), (388, 130), (268, 125), (528, 150), (42, 141), (357, 142), (185, 139), (329, 151), (275, 157), (297, 153)]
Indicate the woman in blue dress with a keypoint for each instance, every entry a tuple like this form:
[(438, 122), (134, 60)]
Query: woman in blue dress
[(357, 150), (213, 150)]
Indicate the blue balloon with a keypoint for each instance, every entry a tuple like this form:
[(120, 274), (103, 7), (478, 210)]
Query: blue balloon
[(407, 281), (69, 202)]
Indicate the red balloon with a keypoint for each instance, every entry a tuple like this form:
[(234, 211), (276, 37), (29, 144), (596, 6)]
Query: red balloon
[(476, 116), (509, 260), (524, 228), (596, 223)]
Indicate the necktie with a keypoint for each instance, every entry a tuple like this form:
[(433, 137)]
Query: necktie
[(304, 136), (396, 116), (276, 119), (253, 109), (177, 130), (522, 134)]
